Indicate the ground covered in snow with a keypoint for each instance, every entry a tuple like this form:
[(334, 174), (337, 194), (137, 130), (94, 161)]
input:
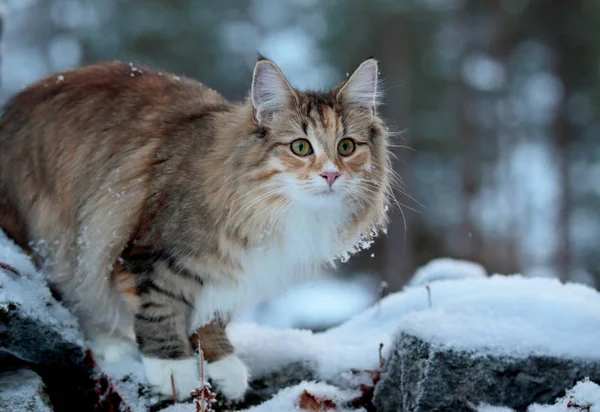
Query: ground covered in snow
[(450, 305), (507, 316)]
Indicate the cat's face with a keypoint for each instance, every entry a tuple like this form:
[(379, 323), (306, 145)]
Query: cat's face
[(325, 149)]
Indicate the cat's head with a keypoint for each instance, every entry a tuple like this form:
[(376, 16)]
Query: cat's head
[(324, 149)]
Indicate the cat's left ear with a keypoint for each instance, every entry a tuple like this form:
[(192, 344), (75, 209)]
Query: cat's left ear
[(270, 90), (361, 89)]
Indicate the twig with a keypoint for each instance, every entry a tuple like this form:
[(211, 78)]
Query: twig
[(201, 358), (9, 268), (203, 396), (381, 360), (382, 288), (428, 295), (173, 389)]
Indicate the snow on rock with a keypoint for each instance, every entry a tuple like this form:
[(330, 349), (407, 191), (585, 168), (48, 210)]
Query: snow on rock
[(490, 408), (501, 315), (446, 269), (128, 379), (503, 340), (308, 396), (305, 396), (422, 376), (23, 390), (584, 396), (513, 336), (34, 326)]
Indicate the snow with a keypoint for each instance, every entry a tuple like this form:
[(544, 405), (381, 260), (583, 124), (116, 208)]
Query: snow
[(129, 380), (28, 291), (459, 307), (445, 269), (584, 396), (490, 408), (317, 304), (23, 390), (507, 316), (288, 399), (500, 315)]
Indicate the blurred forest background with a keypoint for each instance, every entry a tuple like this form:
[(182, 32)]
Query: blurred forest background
[(497, 102)]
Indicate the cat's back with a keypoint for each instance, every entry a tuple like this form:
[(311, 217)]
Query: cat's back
[(102, 97), (66, 137), (94, 115)]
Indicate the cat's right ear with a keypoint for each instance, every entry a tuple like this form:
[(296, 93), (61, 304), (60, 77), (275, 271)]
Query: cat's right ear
[(270, 91)]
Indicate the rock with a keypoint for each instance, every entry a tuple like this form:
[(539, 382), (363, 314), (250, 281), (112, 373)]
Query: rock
[(23, 390), (34, 327), (267, 386), (38, 333), (34, 341), (420, 376)]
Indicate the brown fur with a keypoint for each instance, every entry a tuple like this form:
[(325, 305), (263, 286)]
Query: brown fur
[(161, 182)]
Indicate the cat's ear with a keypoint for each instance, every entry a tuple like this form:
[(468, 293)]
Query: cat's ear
[(270, 90), (361, 88)]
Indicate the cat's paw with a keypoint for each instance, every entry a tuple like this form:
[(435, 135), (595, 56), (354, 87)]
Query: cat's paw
[(230, 376), (112, 349), (186, 375)]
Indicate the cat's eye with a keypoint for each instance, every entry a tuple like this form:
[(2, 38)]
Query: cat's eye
[(301, 147), (346, 147)]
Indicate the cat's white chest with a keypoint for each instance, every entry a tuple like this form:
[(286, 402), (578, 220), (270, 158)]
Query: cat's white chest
[(306, 242)]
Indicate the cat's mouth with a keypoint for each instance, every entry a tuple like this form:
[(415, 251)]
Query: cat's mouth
[(326, 192)]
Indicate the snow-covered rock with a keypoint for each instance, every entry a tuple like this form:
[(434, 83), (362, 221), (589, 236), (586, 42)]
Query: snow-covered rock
[(33, 325), (23, 391), (453, 339), (421, 376), (306, 396), (503, 340)]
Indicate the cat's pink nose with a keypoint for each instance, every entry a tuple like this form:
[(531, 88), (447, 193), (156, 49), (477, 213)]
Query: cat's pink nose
[(330, 177)]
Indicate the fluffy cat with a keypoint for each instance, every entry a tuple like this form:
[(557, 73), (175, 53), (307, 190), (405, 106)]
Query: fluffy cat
[(159, 208)]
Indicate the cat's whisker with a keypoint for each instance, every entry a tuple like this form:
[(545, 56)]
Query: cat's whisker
[(277, 210), (236, 201), (255, 202), (374, 191)]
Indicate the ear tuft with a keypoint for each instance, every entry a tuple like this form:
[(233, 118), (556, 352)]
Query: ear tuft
[(361, 89), (270, 90)]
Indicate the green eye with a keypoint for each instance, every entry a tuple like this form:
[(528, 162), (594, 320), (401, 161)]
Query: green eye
[(346, 147), (301, 147)]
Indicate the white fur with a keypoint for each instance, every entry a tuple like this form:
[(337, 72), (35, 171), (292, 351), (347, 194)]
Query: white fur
[(308, 239), (230, 376), (112, 349), (186, 375)]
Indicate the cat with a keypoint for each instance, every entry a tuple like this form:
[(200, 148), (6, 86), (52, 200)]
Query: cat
[(158, 209)]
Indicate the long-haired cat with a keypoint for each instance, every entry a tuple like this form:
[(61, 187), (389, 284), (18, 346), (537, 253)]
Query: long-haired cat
[(160, 208)]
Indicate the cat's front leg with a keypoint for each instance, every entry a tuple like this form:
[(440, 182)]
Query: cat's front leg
[(226, 371), (161, 333)]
